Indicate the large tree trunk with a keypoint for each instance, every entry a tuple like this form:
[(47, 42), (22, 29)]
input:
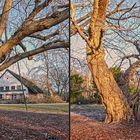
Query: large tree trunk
[(116, 105)]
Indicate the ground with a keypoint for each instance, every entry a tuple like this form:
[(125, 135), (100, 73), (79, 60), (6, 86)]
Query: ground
[(41, 122), (87, 124)]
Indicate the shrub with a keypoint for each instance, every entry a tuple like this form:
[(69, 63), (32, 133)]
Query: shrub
[(132, 90), (97, 98), (117, 72), (44, 99), (76, 89), (54, 99)]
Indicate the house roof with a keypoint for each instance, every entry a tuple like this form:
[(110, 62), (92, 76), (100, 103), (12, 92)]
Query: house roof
[(32, 87)]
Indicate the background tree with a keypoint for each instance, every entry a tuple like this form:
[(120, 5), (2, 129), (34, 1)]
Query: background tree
[(53, 73)]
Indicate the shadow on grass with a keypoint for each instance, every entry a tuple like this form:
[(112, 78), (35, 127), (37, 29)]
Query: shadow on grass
[(92, 111)]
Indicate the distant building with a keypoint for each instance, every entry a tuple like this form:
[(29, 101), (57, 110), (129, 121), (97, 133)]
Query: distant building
[(10, 86)]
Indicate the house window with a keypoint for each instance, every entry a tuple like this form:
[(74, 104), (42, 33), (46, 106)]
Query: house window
[(12, 87), (1, 88), (7, 87), (19, 87), (14, 96)]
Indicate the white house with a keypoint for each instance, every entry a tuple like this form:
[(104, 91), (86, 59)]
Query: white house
[(11, 87)]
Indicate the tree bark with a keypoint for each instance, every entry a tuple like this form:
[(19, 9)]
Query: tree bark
[(5, 15), (116, 105)]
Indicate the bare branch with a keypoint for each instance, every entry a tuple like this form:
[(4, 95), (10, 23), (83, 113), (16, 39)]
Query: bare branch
[(5, 15), (81, 33), (28, 28), (53, 45), (44, 38)]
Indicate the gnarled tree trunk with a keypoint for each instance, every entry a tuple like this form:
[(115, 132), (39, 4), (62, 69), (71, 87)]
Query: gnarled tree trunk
[(116, 105)]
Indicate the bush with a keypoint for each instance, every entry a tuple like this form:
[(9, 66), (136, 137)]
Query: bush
[(117, 72), (54, 99), (132, 90), (76, 89), (44, 99), (83, 100), (97, 99)]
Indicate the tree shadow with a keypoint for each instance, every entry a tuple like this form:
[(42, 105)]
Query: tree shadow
[(94, 112)]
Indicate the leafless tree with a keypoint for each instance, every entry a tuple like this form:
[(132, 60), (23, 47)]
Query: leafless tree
[(110, 25), (53, 73), (31, 27)]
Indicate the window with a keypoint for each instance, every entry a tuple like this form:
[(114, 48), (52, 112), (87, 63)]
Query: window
[(1, 88), (12, 87), (7, 87), (14, 97), (19, 87)]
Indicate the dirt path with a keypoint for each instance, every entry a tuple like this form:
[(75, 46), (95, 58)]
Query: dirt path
[(86, 126), (18, 125)]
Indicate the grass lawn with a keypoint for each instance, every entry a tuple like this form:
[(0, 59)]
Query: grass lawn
[(87, 106), (46, 108), (92, 111)]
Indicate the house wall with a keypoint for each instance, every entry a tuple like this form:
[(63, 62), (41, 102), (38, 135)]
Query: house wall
[(9, 80)]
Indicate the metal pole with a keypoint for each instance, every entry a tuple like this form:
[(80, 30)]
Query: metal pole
[(21, 83), (47, 65)]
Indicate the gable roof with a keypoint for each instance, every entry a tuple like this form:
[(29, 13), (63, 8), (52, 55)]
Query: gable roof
[(32, 87)]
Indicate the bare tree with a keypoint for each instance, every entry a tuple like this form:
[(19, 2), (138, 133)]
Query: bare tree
[(25, 22), (109, 25), (53, 73)]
